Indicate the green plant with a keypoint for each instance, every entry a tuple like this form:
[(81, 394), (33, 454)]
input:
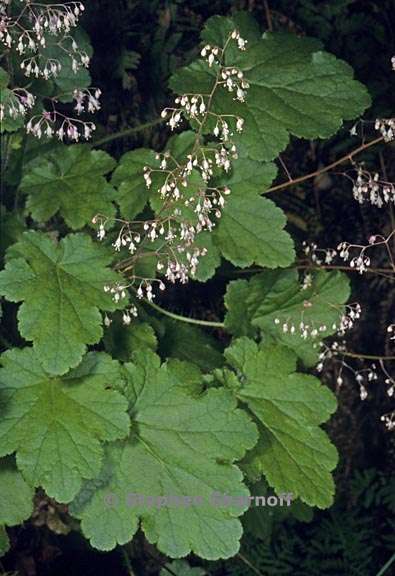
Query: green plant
[(93, 427)]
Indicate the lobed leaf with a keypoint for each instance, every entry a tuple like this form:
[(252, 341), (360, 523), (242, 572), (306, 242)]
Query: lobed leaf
[(57, 425), (61, 286), (274, 299), (132, 192), (69, 180), (293, 452), (294, 89), (251, 230), (181, 444), (16, 496)]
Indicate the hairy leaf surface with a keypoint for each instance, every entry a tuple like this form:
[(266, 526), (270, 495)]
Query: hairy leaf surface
[(61, 286), (71, 181), (16, 496), (57, 425), (132, 192), (251, 231), (293, 452), (180, 444), (279, 296), (294, 89)]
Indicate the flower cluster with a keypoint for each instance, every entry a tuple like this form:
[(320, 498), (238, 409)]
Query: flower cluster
[(143, 288), (188, 204), (371, 188), (337, 352), (389, 420), (195, 106), (386, 126), (233, 80), (28, 33), (352, 312), (361, 261), (16, 103), (55, 123), (317, 255), (305, 329), (32, 34), (214, 54), (309, 329), (355, 254), (87, 100)]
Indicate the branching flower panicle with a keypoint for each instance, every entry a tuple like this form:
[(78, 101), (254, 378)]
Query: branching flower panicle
[(190, 205), (386, 126), (31, 32), (357, 255), (368, 187), (18, 103)]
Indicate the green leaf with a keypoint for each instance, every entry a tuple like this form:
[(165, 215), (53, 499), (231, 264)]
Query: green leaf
[(4, 78), (11, 225), (260, 522), (207, 263), (179, 145), (16, 497), (4, 541), (191, 343), (319, 306), (251, 231), (71, 181), (132, 192), (238, 316), (7, 99), (67, 80), (61, 285), (248, 177), (57, 425), (217, 28), (293, 452), (181, 568), (121, 341), (294, 89), (276, 298), (180, 445)]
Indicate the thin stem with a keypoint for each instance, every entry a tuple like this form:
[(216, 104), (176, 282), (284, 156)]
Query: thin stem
[(268, 15), (367, 356), (5, 342), (127, 132), (184, 318), (327, 168), (127, 561), (386, 566), (347, 268), (385, 272), (285, 168), (249, 564)]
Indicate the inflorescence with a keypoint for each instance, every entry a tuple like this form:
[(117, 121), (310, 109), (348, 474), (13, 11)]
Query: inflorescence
[(37, 35), (354, 254), (189, 205), (368, 187)]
